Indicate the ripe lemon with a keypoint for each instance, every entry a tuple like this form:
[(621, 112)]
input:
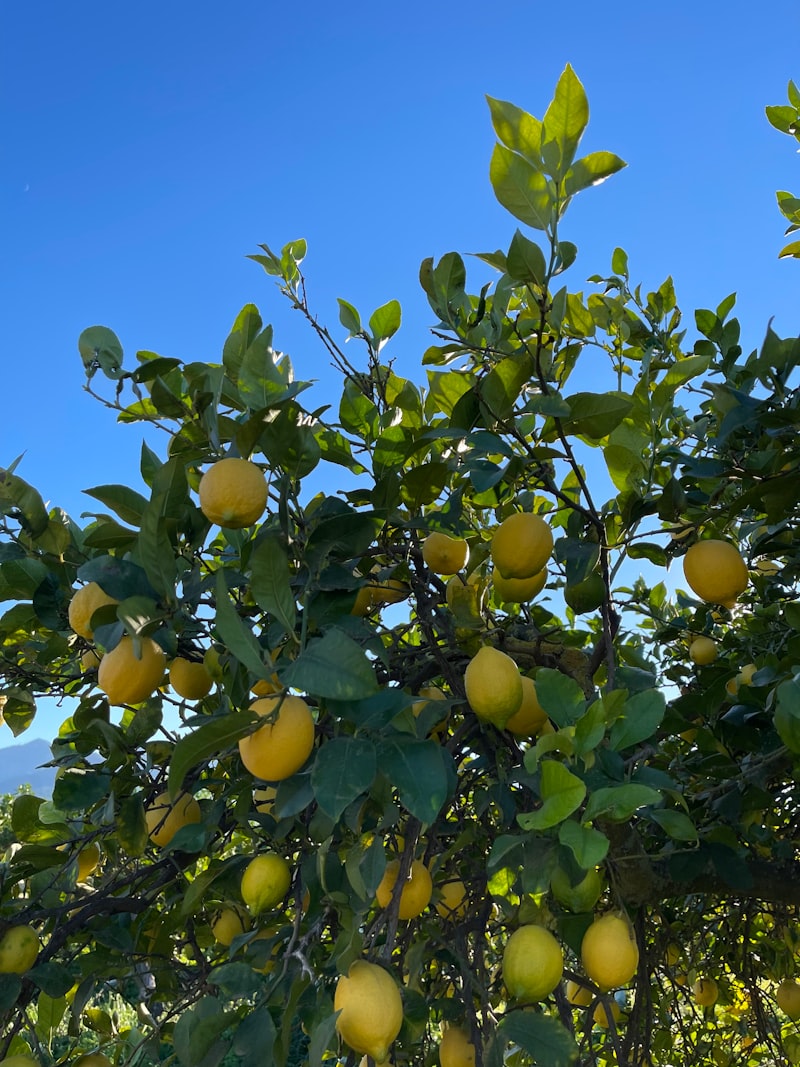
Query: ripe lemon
[(264, 799), (164, 818), (453, 902), (364, 1062), (233, 493), (190, 679), (745, 675), (600, 1015), (518, 590), (93, 1059), (265, 882), (705, 992), (19, 947), (83, 605), (787, 997), (576, 898), (715, 571), (609, 952), (702, 651), (279, 748), (531, 716), (18, 1061), (456, 1049), (370, 1009), (578, 995), (228, 925), (521, 545), (415, 894), (128, 678), (90, 660), (445, 554), (377, 593), (532, 963), (429, 696), (493, 686), (88, 859), (673, 954)]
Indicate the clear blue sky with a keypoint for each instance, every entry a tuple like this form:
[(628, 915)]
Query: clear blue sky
[(147, 148)]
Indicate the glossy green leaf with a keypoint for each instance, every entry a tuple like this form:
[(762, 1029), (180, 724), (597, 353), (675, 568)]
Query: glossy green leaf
[(787, 714), (23, 502), (270, 582), (562, 793), (516, 129), (100, 348), (592, 169), (423, 773), (595, 415), (676, 824), (343, 769), (349, 317), (639, 719), (210, 740), (123, 501), (254, 1039), (526, 262), (543, 1037), (619, 802), (565, 120), (560, 696), (588, 846), (521, 188), (237, 637), (384, 322), (333, 666)]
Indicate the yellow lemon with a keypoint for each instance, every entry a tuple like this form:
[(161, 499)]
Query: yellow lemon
[(702, 651), (415, 894), (673, 954), (90, 660), (532, 963), (190, 679), (609, 952), (19, 947), (370, 1009), (88, 859), (233, 493), (705, 992), (264, 799), (600, 1015), (83, 605), (521, 545), (265, 882), (127, 677), (164, 818), (531, 716), (364, 1062), (493, 686), (787, 997), (578, 995), (456, 1049), (18, 1061), (445, 554), (715, 571), (228, 925), (281, 747), (518, 590), (453, 902), (746, 673), (93, 1059), (429, 696)]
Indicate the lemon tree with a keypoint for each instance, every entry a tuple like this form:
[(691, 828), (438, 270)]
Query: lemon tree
[(455, 716)]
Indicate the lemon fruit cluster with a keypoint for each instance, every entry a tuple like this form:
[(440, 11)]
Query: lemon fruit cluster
[(609, 952), (265, 882), (531, 718), (164, 817), (493, 686), (518, 590), (415, 894), (83, 605), (521, 546), (533, 963), (445, 554), (456, 1049), (370, 1009), (19, 947), (715, 571), (189, 678), (278, 748), (129, 675), (233, 493)]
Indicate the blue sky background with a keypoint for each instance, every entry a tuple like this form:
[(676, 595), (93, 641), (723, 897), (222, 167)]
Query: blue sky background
[(147, 148)]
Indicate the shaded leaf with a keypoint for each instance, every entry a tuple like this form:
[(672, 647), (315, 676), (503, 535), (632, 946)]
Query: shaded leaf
[(333, 666), (343, 769)]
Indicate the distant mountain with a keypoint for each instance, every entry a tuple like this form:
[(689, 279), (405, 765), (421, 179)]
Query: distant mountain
[(21, 765)]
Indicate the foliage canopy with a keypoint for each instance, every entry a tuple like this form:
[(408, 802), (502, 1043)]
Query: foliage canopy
[(633, 437)]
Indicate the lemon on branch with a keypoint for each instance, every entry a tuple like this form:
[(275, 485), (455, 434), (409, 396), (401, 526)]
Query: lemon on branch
[(445, 554), (129, 675), (370, 1009), (164, 817), (189, 678), (715, 571), (265, 882), (456, 1049), (83, 605), (415, 894), (233, 493), (521, 545), (609, 952), (493, 686), (280, 747), (19, 947), (532, 963)]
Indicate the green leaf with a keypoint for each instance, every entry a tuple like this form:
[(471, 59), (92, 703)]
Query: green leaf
[(588, 846), (561, 792), (648, 550), (521, 188), (787, 714), (154, 549), (516, 129), (333, 666), (564, 121), (344, 768), (49, 1013), (235, 979), (207, 741), (792, 250), (675, 823), (619, 802), (544, 1038), (10, 989), (526, 262), (423, 773), (125, 502), (254, 1039), (197, 1033), (592, 170), (384, 322), (100, 347), (501, 387), (627, 469), (349, 318), (560, 696), (52, 978), (234, 633), (20, 578), (595, 415), (245, 329), (130, 825), (639, 719), (271, 582), (79, 790), (23, 502), (320, 1040), (119, 578)]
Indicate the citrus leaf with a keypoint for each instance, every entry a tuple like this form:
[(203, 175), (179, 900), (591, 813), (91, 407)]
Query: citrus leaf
[(547, 1042), (521, 188), (209, 740), (565, 120), (234, 634), (620, 802), (588, 846), (270, 582), (676, 824), (333, 666), (21, 500), (639, 719), (344, 768), (560, 696), (254, 1039), (424, 775), (526, 262), (787, 714), (125, 502), (592, 169), (562, 793)]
